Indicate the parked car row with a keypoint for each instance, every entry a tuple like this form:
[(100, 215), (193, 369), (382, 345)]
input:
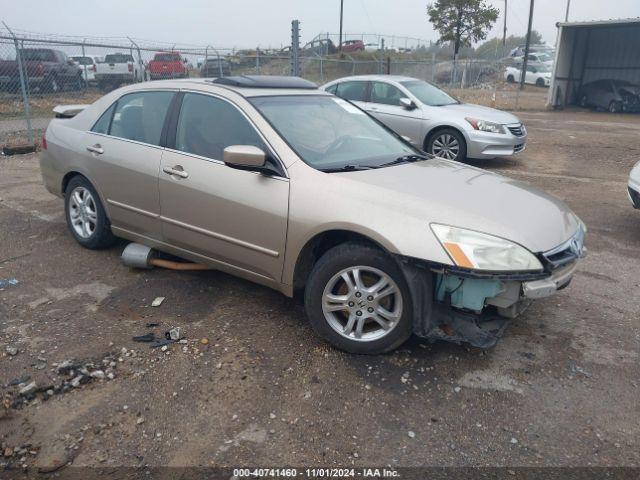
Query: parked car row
[(539, 76)]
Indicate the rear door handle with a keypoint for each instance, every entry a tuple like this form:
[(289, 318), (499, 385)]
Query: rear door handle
[(177, 170), (96, 149)]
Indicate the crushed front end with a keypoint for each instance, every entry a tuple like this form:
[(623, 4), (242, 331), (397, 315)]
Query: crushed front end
[(463, 305)]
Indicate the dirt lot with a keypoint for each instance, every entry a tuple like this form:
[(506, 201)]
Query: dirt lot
[(560, 389)]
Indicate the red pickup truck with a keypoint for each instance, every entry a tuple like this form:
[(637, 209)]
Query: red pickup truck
[(168, 65)]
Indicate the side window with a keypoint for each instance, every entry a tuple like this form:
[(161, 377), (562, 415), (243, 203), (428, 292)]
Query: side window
[(207, 125), (140, 116), (332, 89), (385, 93), (102, 125), (353, 91)]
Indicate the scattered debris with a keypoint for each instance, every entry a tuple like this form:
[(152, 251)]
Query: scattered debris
[(10, 282), (148, 337), (204, 341), (173, 334), (11, 350), (152, 325), (514, 440), (160, 343), (577, 369), (411, 434), (457, 389), (28, 389), (157, 301), (18, 381)]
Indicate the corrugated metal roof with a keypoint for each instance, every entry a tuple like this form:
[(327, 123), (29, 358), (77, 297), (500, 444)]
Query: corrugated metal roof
[(594, 23)]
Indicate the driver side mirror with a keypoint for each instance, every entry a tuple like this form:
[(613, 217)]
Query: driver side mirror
[(407, 104)]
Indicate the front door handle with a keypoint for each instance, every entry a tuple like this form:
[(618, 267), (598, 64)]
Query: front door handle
[(96, 149), (177, 171)]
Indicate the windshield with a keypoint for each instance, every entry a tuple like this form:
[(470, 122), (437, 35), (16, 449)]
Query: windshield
[(428, 94), (543, 69), (330, 133), (118, 58), (166, 57), (83, 60)]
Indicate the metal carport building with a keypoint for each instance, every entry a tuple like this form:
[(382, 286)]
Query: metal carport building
[(589, 51)]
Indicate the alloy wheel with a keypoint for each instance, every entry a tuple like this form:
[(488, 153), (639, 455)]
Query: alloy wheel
[(83, 212), (446, 146), (362, 303)]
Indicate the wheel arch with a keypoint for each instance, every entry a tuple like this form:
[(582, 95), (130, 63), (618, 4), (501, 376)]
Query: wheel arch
[(321, 243)]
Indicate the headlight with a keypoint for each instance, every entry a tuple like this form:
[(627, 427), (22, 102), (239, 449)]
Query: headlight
[(485, 126), (480, 251)]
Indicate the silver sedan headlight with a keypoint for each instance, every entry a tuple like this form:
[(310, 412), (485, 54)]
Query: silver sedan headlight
[(485, 126), (479, 251)]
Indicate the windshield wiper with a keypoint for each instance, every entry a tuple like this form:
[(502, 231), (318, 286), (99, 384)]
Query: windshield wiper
[(405, 159), (347, 168)]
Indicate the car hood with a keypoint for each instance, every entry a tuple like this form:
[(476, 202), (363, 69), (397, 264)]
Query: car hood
[(452, 193), (482, 113)]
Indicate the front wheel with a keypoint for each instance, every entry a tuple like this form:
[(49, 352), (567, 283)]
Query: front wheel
[(357, 299), (86, 217), (615, 107), (584, 101), (540, 82), (449, 144), (510, 79)]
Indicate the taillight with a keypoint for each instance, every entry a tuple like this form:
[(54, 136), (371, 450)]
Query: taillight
[(131, 67), (39, 69), (43, 142), (92, 68)]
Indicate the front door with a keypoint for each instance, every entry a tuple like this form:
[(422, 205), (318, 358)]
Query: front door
[(235, 217), (384, 104), (123, 155)]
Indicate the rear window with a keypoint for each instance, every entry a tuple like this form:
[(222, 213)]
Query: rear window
[(140, 116), (118, 58), (83, 60), (38, 55), (166, 57)]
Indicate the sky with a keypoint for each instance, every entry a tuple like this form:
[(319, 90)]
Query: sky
[(267, 23)]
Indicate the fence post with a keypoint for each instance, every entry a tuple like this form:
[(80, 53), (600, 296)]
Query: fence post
[(388, 65), (295, 46), (86, 77), (258, 60), (433, 67), (143, 77), (23, 85)]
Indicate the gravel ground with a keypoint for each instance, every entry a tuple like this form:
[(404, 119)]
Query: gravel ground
[(254, 386)]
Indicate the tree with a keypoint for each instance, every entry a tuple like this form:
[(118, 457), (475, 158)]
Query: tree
[(461, 22)]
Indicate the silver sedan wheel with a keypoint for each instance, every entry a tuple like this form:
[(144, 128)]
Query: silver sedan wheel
[(445, 146), (362, 303), (83, 212)]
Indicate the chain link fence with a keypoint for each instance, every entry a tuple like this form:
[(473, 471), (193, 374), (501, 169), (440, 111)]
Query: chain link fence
[(39, 72)]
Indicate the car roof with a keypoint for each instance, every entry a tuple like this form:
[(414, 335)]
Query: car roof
[(261, 85), (380, 78)]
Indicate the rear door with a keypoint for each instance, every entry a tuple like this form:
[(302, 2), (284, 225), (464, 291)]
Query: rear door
[(384, 104), (123, 151), (235, 217)]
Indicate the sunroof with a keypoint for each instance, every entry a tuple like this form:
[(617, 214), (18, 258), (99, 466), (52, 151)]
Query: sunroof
[(266, 81)]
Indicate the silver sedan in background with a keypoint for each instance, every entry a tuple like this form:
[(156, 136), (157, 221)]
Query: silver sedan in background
[(433, 120)]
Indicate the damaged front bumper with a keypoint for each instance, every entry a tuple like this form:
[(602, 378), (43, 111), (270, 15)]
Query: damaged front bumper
[(465, 306)]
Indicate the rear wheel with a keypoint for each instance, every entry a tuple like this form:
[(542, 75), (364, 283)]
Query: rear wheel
[(52, 85), (447, 143), (510, 79), (615, 107), (584, 101), (86, 217), (540, 82), (357, 299)]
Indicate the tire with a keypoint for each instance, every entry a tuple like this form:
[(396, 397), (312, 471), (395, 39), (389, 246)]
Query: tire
[(79, 193), (540, 82), (455, 149), (52, 85), (615, 107), (510, 79), (584, 101), (366, 336)]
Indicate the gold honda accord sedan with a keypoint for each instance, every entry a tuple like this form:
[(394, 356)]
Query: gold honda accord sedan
[(278, 182)]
